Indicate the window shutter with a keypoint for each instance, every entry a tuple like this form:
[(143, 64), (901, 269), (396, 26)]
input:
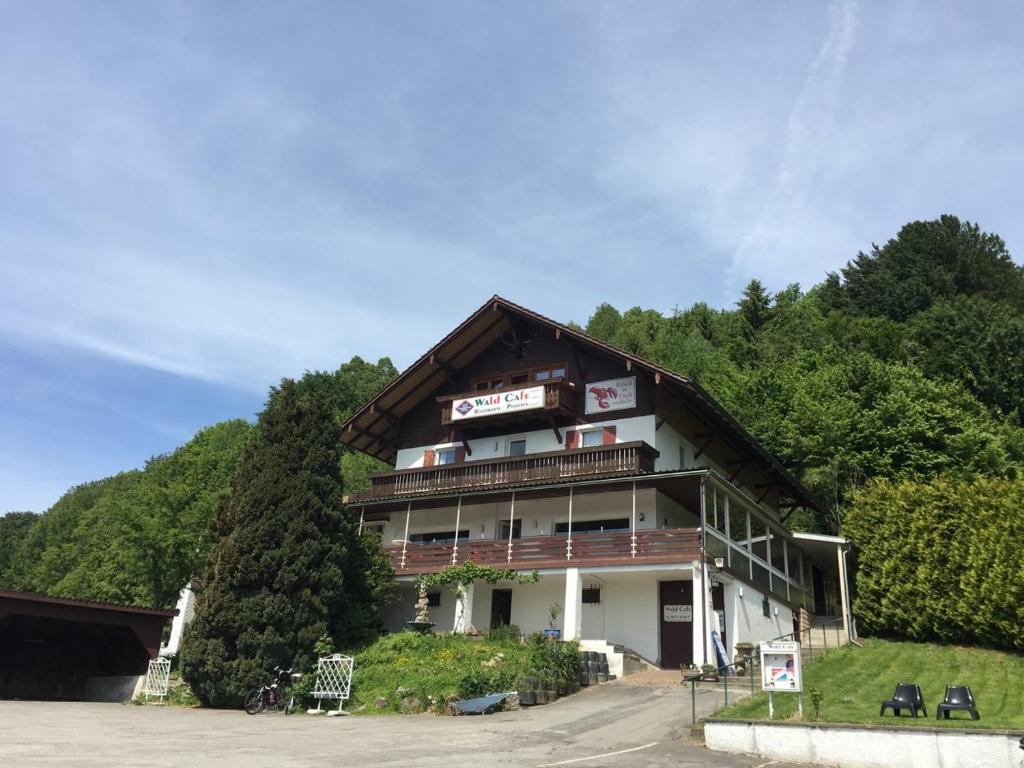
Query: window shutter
[(460, 454), (572, 439), (608, 438), (428, 458)]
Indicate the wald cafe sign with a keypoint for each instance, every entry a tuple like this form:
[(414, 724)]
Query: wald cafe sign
[(497, 403)]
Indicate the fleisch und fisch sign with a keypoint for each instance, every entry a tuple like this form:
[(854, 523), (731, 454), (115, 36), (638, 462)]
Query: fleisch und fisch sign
[(498, 402), (674, 613), (611, 395)]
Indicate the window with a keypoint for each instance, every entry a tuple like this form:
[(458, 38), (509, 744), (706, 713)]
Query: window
[(517, 447), (546, 374), (517, 530), (433, 599), (593, 526), (377, 529), (444, 456), (591, 595), (437, 537), (518, 378), (592, 438)]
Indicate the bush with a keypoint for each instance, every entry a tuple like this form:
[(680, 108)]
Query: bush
[(554, 662), (940, 560), (480, 682), (505, 634)]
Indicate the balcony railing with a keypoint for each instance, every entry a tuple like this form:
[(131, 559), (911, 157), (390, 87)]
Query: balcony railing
[(560, 399), (675, 545), (603, 460)]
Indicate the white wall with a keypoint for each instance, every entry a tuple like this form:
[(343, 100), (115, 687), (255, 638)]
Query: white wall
[(745, 619), (852, 746), (537, 441)]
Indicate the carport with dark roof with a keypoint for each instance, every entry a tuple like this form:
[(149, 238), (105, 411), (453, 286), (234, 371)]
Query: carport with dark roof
[(61, 648)]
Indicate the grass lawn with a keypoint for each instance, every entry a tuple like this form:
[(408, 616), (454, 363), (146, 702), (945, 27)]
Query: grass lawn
[(855, 681)]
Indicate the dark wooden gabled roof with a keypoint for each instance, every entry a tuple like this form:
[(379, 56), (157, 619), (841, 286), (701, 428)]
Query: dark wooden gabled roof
[(368, 429)]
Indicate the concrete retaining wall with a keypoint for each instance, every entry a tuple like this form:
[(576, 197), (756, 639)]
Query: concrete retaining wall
[(858, 746)]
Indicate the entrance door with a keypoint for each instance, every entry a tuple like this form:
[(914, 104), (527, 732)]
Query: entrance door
[(501, 608), (676, 604)]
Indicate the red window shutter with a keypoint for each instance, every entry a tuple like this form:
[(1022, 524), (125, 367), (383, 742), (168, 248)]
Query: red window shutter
[(460, 454), (608, 438), (428, 458), (572, 439)]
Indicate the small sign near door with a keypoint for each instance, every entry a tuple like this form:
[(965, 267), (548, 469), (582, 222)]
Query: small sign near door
[(674, 613)]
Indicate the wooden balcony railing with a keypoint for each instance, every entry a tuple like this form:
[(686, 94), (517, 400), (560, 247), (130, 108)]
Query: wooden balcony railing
[(560, 399), (675, 545), (603, 460)]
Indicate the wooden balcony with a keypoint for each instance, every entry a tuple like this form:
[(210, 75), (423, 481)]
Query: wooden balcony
[(560, 399), (600, 461), (676, 545)]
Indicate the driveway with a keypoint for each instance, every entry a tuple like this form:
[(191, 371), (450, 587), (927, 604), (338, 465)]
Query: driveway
[(612, 725)]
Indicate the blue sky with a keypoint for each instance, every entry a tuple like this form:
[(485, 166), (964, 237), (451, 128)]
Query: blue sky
[(197, 199)]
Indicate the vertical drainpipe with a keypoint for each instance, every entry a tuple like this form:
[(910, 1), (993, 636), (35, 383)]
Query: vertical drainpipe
[(458, 522), (568, 539), (704, 583), (511, 521), (405, 539)]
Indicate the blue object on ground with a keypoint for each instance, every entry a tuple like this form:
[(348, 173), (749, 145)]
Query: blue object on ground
[(482, 704)]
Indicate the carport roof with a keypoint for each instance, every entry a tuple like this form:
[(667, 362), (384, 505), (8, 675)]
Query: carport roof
[(36, 597)]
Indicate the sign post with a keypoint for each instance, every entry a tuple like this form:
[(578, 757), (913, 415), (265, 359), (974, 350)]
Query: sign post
[(781, 671)]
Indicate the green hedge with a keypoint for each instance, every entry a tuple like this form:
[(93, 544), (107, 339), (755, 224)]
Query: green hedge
[(941, 560)]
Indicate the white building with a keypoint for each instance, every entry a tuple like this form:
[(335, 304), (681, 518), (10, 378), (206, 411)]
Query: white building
[(653, 518)]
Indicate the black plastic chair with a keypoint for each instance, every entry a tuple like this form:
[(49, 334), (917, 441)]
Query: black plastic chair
[(906, 696), (958, 697)]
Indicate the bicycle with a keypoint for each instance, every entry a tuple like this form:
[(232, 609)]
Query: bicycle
[(275, 696)]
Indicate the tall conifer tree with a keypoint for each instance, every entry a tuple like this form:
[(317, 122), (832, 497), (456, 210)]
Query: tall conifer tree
[(288, 565)]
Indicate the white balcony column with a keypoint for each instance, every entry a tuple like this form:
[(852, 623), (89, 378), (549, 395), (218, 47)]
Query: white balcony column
[(463, 609), (362, 514), (632, 538), (458, 522), (405, 539), (699, 625), (511, 524), (568, 538), (572, 615), (844, 595)]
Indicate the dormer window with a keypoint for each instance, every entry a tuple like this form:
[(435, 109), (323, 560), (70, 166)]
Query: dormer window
[(444, 456)]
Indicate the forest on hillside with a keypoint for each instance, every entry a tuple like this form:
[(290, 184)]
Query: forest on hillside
[(905, 367)]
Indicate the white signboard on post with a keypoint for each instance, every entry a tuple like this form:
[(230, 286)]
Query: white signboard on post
[(780, 667), (781, 671), (611, 395), (674, 613), (497, 403)]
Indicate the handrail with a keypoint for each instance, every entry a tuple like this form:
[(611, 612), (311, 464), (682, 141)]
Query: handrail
[(694, 679), (640, 445)]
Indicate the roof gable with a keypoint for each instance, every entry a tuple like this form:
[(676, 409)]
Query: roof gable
[(370, 427)]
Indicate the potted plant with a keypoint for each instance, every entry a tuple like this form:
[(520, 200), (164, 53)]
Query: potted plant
[(710, 672), (552, 631)]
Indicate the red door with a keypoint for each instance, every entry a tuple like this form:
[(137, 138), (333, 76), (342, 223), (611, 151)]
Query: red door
[(676, 609)]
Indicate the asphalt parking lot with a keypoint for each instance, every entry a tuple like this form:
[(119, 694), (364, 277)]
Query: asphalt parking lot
[(612, 726)]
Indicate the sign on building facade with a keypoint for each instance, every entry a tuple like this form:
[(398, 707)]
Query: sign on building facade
[(611, 395), (674, 613), (498, 402)]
